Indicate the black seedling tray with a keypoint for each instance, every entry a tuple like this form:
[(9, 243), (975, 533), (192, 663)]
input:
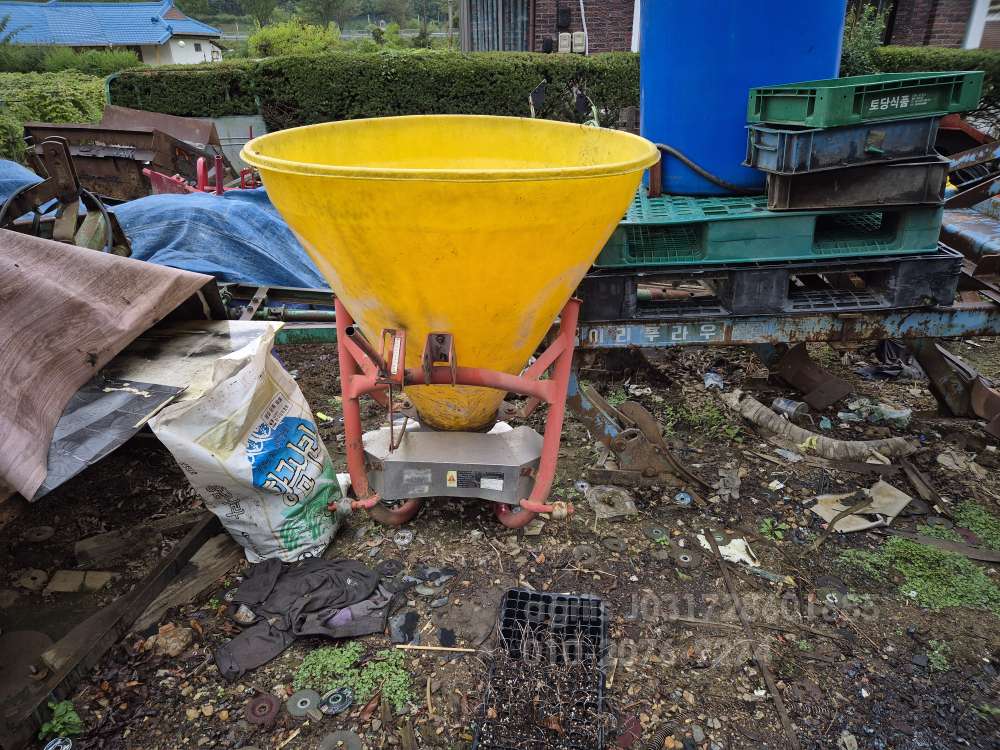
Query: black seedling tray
[(540, 630)]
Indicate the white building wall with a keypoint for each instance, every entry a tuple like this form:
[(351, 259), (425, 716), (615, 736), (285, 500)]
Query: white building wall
[(181, 51), (190, 50)]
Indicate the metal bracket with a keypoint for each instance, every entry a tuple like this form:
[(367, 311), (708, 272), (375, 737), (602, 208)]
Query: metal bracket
[(439, 349), (393, 356)]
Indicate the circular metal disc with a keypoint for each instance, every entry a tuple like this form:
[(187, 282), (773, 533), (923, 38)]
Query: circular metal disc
[(342, 740), (832, 597), (336, 701), (655, 533), (614, 543), (687, 559), (389, 568), (584, 552), (302, 702), (262, 709), (721, 537), (39, 534), (403, 537)]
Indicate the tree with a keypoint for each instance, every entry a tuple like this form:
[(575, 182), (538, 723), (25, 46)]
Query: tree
[(7, 34), (193, 8), (259, 10), (325, 11), (863, 32), (394, 10), (424, 10)]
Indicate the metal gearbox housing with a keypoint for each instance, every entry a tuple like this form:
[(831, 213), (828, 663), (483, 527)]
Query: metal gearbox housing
[(496, 466)]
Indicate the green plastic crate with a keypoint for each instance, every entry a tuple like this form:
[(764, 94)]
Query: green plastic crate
[(848, 101), (679, 230)]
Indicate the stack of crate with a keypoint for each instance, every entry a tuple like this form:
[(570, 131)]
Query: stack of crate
[(850, 223), (859, 142)]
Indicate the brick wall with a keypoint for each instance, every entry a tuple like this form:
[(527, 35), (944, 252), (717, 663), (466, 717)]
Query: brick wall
[(609, 23), (936, 23)]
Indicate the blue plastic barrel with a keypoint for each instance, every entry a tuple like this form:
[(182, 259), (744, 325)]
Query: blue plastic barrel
[(700, 59)]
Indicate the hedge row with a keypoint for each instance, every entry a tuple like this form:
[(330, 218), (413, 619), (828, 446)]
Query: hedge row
[(205, 90), (305, 89), (66, 96), (911, 59)]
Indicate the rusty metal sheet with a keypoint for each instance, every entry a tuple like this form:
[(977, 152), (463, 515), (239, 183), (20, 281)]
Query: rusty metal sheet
[(64, 313), (110, 160), (986, 404), (191, 129), (794, 366)]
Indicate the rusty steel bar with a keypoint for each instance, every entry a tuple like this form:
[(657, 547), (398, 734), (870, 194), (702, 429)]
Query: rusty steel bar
[(974, 156)]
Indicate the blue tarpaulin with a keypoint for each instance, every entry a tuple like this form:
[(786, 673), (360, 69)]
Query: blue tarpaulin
[(236, 237)]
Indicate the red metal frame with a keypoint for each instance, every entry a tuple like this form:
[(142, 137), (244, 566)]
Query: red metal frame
[(360, 375)]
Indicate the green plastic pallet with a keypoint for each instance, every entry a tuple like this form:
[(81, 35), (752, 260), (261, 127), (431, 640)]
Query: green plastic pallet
[(848, 101), (679, 230)]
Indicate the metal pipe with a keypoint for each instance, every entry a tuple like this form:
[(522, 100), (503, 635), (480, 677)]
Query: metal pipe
[(353, 333), (557, 409), (351, 409)]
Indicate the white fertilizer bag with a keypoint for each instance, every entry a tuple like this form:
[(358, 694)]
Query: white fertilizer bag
[(250, 447)]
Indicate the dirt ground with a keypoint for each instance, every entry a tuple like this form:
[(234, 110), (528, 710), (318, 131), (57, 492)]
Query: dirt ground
[(877, 671)]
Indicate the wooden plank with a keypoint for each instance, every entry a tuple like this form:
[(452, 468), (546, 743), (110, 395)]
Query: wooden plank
[(108, 547), (84, 646), (217, 556)]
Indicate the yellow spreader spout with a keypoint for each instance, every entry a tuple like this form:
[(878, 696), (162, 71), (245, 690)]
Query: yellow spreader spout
[(477, 226)]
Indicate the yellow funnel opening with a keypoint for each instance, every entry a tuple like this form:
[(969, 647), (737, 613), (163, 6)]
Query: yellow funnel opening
[(473, 225)]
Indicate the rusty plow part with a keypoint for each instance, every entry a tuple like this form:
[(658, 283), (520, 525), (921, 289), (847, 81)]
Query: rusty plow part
[(634, 439)]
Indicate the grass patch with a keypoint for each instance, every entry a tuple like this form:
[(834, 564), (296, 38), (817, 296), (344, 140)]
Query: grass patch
[(332, 667), (707, 419), (980, 522), (869, 565), (939, 532), (933, 578)]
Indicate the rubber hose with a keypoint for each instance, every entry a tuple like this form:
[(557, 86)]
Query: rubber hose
[(657, 740), (702, 172)]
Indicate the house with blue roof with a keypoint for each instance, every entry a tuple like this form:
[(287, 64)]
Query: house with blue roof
[(156, 31)]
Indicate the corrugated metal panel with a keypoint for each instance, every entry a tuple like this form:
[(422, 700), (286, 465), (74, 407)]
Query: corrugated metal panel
[(499, 25)]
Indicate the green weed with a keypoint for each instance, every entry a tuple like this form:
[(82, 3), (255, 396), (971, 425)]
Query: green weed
[(331, 667), (803, 645), (933, 578), (65, 721), (988, 710), (938, 656), (773, 529), (617, 396)]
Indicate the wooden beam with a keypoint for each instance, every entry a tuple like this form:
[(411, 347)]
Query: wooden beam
[(74, 655)]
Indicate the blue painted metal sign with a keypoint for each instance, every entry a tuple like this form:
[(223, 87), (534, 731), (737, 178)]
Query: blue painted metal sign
[(964, 319)]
